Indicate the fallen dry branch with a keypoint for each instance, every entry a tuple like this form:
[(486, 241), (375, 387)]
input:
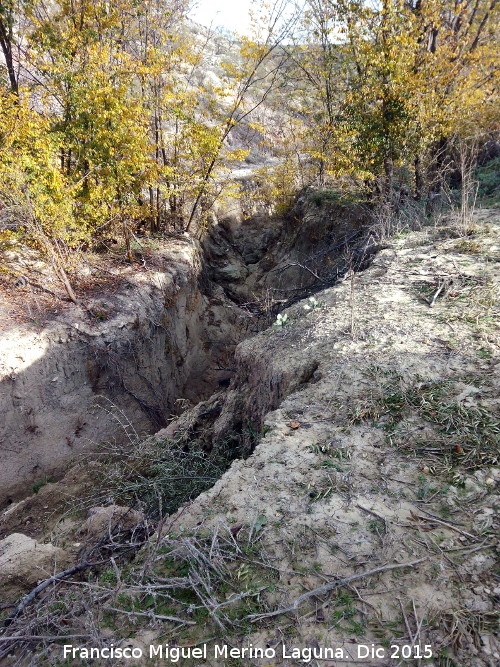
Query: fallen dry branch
[(330, 587), (444, 523), (441, 286), (433, 516), (41, 587), (305, 268), (49, 638), (153, 617), (375, 514), (60, 576)]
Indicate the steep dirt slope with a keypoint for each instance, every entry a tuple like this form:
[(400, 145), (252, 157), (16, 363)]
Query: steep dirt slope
[(371, 413), (381, 453), (134, 349), (145, 335)]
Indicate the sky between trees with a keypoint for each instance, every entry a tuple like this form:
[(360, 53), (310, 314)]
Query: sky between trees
[(231, 14)]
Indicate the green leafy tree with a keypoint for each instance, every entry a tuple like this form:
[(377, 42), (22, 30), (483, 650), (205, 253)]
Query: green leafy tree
[(393, 80)]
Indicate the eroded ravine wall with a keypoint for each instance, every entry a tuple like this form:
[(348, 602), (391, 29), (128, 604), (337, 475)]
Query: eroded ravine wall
[(80, 380), (167, 339)]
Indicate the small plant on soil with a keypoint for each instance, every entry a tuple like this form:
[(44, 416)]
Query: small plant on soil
[(312, 303), (281, 320), (467, 246), (41, 483)]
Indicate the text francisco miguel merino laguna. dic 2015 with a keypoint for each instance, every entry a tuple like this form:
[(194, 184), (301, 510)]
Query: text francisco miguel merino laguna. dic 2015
[(175, 654)]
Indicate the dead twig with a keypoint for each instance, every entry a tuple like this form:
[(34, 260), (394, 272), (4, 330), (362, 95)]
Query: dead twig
[(433, 516), (446, 557), (41, 587), (470, 551), (378, 516), (331, 586), (436, 294), (305, 268), (49, 638), (153, 617), (444, 523), (368, 604), (407, 624), (419, 623)]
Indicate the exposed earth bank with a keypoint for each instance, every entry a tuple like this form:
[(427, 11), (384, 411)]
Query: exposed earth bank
[(149, 339), (381, 448), (367, 509)]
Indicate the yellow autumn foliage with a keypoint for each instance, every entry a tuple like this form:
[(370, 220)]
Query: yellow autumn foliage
[(31, 182)]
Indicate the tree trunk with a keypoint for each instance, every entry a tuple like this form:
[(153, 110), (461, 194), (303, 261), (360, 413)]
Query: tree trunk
[(439, 165), (389, 179), (419, 179), (6, 44), (126, 236), (152, 211)]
